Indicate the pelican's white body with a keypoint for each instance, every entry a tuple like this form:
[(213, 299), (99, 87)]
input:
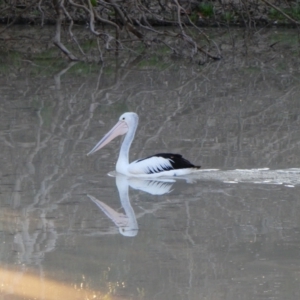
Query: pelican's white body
[(139, 168)]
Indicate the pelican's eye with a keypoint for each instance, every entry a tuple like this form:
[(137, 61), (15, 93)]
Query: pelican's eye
[(123, 118)]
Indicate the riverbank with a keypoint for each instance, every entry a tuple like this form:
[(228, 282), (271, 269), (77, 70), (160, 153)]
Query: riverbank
[(201, 13), (90, 33)]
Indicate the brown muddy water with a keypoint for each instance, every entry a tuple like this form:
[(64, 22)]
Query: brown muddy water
[(68, 230)]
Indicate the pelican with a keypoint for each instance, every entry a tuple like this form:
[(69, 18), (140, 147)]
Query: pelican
[(161, 164)]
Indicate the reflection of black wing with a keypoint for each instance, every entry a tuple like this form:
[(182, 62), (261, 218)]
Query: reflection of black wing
[(153, 187), (172, 162)]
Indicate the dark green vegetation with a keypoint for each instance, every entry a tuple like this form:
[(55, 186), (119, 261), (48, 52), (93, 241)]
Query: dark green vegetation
[(292, 11), (173, 27)]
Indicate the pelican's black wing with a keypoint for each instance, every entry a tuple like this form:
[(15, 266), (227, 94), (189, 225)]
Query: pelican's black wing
[(174, 161)]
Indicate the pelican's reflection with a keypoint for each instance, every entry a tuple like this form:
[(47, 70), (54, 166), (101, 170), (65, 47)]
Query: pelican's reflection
[(126, 222)]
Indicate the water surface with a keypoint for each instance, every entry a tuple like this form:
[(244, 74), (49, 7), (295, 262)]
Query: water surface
[(220, 235)]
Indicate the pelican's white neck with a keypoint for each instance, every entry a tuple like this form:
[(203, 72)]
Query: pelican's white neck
[(123, 160)]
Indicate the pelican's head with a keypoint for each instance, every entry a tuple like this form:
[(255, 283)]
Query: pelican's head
[(130, 118), (126, 121)]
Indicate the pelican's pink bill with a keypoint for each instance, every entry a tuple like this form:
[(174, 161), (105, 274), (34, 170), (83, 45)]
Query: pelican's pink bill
[(119, 129)]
